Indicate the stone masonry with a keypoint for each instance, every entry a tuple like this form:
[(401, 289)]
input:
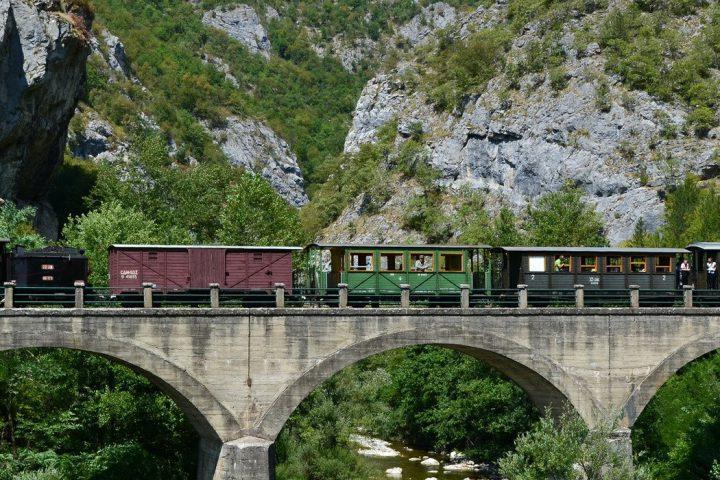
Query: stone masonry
[(238, 374)]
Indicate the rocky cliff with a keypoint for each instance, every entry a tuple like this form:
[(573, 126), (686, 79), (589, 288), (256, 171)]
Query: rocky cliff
[(515, 144), (43, 49)]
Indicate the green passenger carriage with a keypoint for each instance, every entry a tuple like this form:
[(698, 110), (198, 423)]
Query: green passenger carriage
[(382, 269)]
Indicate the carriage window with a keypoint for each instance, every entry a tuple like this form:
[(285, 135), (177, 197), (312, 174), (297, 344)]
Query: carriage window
[(257, 257), (663, 264), (638, 264), (613, 264), (589, 264), (451, 262), (561, 263), (361, 262), (391, 262), (421, 262), (536, 264)]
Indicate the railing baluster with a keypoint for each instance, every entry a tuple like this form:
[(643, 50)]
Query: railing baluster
[(79, 294), (148, 295), (280, 295), (634, 296), (9, 294), (688, 296)]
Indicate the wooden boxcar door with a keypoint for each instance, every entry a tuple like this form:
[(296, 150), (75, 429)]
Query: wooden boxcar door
[(207, 265)]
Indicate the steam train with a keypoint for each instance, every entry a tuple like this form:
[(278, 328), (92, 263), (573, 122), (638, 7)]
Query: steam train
[(366, 269)]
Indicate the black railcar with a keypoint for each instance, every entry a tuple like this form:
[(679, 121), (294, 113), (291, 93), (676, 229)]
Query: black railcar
[(3, 259), (50, 267), (701, 251), (594, 267)]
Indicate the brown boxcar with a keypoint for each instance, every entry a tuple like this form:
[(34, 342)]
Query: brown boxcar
[(177, 268)]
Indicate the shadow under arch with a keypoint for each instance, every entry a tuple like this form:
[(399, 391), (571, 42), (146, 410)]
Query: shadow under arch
[(646, 390), (206, 414), (545, 382)]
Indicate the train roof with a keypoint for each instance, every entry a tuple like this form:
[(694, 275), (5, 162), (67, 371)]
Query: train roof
[(705, 245), (4, 240), (607, 250), (228, 247), (397, 246)]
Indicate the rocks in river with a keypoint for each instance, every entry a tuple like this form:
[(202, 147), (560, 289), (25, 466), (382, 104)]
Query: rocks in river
[(414, 459), (430, 462), (431, 478), (394, 472), (243, 24), (464, 466), (374, 447)]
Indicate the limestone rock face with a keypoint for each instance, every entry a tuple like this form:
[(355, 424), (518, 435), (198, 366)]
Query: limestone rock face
[(43, 50), (533, 140), (254, 146), (243, 24)]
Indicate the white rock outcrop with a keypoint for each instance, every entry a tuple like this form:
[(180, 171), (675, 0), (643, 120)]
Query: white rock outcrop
[(256, 147), (243, 24)]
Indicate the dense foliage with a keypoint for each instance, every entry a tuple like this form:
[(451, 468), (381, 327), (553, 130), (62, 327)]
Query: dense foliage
[(429, 397), (71, 415), (567, 450), (16, 224), (304, 98), (679, 431)]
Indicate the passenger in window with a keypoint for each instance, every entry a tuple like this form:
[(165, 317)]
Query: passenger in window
[(561, 264), (685, 272), (711, 274), (421, 264)]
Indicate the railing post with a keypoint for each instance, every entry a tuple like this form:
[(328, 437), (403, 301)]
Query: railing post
[(148, 294), (404, 295), (688, 296), (464, 296), (79, 294), (634, 296), (280, 295), (9, 294), (214, 295), (579, 296), (522, 296), (342, 295)]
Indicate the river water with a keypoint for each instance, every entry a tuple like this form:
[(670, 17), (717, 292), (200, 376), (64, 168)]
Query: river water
[(391, 455)]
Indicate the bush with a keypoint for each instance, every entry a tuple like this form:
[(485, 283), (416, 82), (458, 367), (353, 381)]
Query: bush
[(558, 79), (702, 120)]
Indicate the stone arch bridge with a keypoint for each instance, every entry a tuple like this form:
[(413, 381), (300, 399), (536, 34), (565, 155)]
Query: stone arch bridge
[(239, 373)]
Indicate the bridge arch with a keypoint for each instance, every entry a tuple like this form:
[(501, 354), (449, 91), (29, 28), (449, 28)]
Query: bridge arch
[(680, 357), (546, 383), (207, 415)]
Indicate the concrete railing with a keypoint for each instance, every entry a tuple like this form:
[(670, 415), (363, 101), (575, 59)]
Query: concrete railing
[(342, 296)]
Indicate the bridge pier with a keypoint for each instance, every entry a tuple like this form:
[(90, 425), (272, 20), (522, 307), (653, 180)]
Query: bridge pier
[(621, 441), (248, 458)]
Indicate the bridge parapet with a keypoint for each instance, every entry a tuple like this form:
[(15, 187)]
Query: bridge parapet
[(241, 372)]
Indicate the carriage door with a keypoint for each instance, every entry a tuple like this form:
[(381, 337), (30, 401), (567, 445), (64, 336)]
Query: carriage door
[(207, 265)]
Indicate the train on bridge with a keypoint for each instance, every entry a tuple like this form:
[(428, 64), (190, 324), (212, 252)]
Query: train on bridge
[(368, 271)]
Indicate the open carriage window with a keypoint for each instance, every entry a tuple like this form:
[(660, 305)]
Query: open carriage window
[(589, 264), (663, 264), (562, 263), (421, 262), (391, 262), (361, 262), (613, 264), (451, 262), (638, 264)]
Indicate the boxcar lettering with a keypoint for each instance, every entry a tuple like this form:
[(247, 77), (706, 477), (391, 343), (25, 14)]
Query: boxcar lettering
[(129, 274)]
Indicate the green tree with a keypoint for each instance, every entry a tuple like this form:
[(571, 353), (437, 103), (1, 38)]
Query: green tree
[(16, 224), (567, 450), (564, 218), (111, 223), (254, 214)]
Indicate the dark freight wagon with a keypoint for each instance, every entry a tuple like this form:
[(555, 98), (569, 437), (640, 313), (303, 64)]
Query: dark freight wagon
[(3, 259), (52, 267), (594, 267), (177, 268), (381, 269)]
